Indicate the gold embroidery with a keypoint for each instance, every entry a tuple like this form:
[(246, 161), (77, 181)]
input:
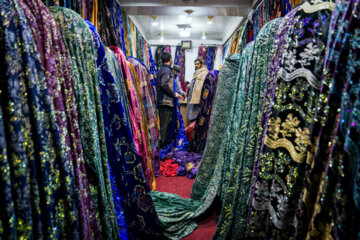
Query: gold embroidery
[(205, 94), (279, 132), (202, 121)]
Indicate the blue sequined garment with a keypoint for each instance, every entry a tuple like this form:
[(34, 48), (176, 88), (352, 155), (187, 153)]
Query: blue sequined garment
[(138, 215)]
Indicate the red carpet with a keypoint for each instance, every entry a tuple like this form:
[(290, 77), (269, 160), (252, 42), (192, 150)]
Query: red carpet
[(182, 186)]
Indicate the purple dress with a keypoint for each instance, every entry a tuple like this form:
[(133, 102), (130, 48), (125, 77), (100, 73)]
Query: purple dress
[(198, 142), (54, 60)]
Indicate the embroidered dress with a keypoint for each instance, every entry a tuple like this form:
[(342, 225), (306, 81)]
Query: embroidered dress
[(180, 61), (144, 128), (218, 58), (55, 62), (136, 120), (177, 214), (177, 137), (137, 219), (150, 112), (202, 53), (115, 70), (330, 204), (80, 47), (198, 142), (293, 90), (232, 223), (38, 191), (210, 57)]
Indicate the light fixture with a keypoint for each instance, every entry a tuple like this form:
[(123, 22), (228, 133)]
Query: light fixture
[(184, 33), (203, 36), (162, 37), (154, 21), (210, 18), (187, 18)]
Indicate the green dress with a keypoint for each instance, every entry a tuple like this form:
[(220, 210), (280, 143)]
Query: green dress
[(177, 214), (79, 43), (247, 122)]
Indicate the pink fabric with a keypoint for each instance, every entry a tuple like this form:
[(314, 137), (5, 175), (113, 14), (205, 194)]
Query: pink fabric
[(202, 53), (134, 110)]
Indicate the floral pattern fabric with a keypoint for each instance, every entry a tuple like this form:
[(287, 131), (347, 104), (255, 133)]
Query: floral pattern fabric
[(210, 57), (55, 62), (38, 189), (236, 197), (177, 214), (80, 48), (150, 112), (138, 213), (331, 202), (136, 119), (198, 141), (285, 153)]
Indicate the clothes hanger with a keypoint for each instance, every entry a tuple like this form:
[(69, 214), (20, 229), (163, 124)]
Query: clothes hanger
[(316, 6)]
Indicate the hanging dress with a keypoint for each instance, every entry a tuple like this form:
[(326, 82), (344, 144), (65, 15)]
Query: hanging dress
[(80, 47)]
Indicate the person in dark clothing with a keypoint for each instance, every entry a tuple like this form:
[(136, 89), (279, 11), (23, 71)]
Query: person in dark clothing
[(165, 96)]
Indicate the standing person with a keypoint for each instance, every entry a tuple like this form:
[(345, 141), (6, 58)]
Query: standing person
[(194, 94), (176, 70), (165, 96)]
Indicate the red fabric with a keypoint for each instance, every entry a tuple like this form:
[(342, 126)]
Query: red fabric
[(190, 130), (169, 168)]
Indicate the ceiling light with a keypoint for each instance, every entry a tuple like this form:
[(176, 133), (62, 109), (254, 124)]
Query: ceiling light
[(188, 18), (184, 33), (161, 37), (154, 21), (209, 19), (203, 36)]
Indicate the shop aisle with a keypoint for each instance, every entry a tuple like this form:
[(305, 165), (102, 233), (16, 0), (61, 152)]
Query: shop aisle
[(182, 186)]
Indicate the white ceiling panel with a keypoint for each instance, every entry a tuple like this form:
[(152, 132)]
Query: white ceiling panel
[(227, 16)]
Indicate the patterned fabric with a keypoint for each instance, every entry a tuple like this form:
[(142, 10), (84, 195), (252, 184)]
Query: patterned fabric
[(55, 62), (180, 61), (144, 128), (177, 214), (232, 223), (202, 53), (150, 111), (188, 163), (136, 120), (210, 57), (38, 190), (293, 93), (218, 58), (139, 46), (167, 49), (177, 137), (159, 51), (198, 142), (334, 197), (114, 68), (126, 34), (138, 214), (82, 55)]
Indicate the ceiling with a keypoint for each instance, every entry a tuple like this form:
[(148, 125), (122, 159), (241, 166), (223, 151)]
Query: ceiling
[(227, 16)]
